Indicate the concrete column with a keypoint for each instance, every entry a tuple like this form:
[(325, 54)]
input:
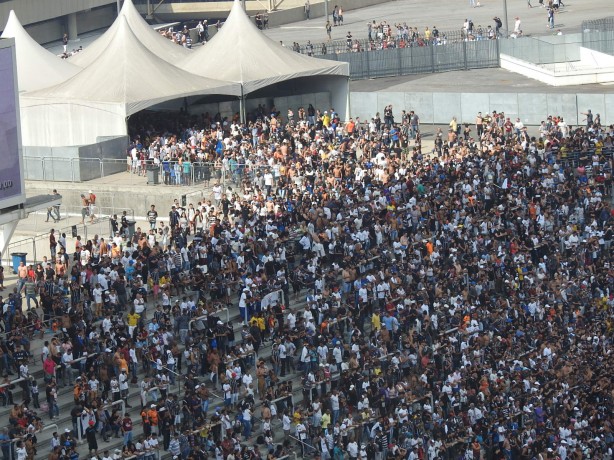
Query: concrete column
[(71, 25), (6, 232)]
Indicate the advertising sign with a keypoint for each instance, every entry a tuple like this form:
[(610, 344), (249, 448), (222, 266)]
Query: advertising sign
[(12, 191)]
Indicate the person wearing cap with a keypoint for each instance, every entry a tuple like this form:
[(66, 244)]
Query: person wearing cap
[(90, 435)]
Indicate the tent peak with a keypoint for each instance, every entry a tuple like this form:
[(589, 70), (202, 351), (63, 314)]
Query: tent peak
[(13, 20), (37, 67)]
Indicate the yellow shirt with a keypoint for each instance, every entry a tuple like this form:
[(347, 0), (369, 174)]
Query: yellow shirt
[(133, 319), (376, 322), (325, 420), (326, 120)]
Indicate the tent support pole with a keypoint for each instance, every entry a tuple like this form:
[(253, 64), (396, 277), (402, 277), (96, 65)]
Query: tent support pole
[(242, 107), (348, 113)]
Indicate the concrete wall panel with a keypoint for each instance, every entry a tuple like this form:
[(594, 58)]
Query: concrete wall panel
[(363, 105), (294, 102), (318, 100), (252, 104), (395, 99), (48, 31), (61, 168), (532, 108), (422, 104), (229, 108), (96, 19), (281, 103), (505, 102), (471, 104), (564, 105), (594, 102), (608, 115), (446, 106), (31, 11)]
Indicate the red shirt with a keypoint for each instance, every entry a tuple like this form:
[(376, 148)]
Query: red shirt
[(127, 424)]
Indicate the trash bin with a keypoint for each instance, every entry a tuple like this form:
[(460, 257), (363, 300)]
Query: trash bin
[(131, 225), (18, 257), (153, 176)]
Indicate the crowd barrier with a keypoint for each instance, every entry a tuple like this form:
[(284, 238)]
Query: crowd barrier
[(208, 173)]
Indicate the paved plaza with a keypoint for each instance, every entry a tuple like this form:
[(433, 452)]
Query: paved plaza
[(446, 15)]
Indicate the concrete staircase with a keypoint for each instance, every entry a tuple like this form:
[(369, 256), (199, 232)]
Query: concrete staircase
[(66, 401)]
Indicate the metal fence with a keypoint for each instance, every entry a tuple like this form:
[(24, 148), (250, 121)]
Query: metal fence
[(464, 55), (598, 24), (380, 42), (601, 40), (171, 173), (37, 247), (69, 169)]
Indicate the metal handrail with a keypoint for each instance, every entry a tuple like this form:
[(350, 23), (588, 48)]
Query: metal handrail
[(101, 211), (243, 356), (46, 427), (204, 317), (12, 382), (120, 402), (44, 236), (200, 318), (242, 168)]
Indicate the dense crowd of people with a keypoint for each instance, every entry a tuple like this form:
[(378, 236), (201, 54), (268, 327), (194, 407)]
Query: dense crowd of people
[(453, 303)]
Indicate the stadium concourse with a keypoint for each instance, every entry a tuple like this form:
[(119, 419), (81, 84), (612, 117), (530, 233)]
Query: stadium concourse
[(399, 303)]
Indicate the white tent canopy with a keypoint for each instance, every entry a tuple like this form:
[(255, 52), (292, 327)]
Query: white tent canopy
[(241, 53), (37, 68), (156, 43), (126, 78)]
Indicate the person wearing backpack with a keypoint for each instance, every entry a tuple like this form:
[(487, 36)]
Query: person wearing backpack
[(498, 25)]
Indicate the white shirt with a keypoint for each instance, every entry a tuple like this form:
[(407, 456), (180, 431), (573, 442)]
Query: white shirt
[(353, 449), (286, 423), (139, 306), (133, 358), (334, 402), (67, 358), (97, 292), (123, 381), (21, 453), (107, 325)]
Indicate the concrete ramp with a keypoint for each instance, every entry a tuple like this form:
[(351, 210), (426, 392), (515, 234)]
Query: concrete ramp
[(559, 60)]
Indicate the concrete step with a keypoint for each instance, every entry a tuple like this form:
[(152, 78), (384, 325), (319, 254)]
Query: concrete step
[(66, 402)]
